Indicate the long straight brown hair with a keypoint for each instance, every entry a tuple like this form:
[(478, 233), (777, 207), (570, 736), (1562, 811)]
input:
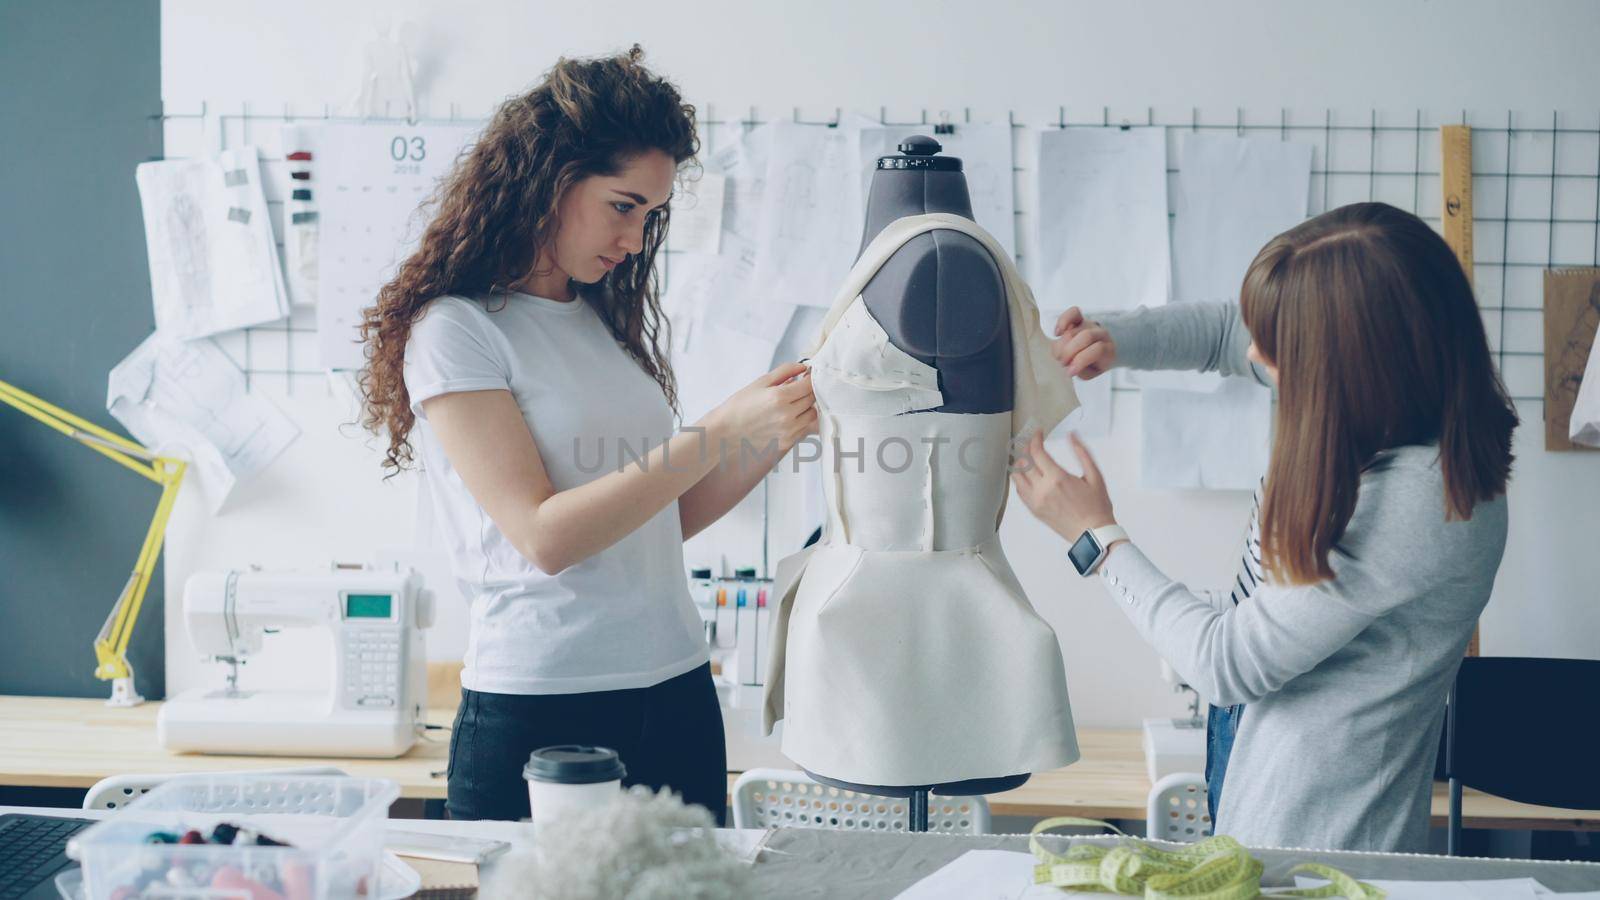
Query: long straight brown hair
[(1378, 342)]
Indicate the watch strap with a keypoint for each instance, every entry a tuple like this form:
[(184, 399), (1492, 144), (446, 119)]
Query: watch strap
[(1105, 535)]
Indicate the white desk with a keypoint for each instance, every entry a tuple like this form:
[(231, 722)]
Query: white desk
[(803, 863)]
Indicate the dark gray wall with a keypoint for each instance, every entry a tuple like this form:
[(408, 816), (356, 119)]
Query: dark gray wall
[(79, 82)]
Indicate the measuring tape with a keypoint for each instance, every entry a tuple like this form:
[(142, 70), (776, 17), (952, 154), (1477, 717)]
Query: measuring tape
[(1217, 868)]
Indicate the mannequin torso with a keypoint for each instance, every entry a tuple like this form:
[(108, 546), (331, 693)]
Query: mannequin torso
[(941, 299)]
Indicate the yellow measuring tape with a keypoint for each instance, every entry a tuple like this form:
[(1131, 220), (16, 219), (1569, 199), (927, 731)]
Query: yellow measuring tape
[(1217, 868)]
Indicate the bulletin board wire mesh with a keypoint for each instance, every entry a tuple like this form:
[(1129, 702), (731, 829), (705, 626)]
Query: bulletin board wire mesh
[(1536, 186)]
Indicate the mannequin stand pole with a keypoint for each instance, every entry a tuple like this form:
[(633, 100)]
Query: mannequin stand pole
[(918, 821)]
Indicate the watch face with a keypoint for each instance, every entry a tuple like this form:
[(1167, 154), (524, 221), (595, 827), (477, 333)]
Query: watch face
[(1085, 550)]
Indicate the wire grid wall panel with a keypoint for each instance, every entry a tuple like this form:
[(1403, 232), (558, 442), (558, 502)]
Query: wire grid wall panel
[(1536, 186)]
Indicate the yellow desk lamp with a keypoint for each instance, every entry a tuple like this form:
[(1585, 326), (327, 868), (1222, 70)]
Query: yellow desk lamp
[(111, 644)]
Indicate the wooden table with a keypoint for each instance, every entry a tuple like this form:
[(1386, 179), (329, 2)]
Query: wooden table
[(1109, 782), (73, 743)]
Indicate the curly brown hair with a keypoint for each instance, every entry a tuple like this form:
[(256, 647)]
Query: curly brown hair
[(497, 209)]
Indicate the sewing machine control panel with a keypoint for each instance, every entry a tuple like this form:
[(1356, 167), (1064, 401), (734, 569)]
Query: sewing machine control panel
[(373, 652)]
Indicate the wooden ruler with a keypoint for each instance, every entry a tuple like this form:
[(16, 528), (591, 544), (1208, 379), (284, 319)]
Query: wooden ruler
[(1455, 188)]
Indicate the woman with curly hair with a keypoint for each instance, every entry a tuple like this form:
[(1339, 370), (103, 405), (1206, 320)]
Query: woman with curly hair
[(522, 345)]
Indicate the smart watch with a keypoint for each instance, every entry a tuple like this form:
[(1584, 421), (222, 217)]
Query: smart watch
[(1090, 547)]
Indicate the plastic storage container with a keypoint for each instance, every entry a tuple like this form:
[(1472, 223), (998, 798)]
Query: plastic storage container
[(333, 826)]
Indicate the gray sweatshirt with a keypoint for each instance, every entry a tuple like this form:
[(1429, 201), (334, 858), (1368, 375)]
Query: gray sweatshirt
[(1346, 679)]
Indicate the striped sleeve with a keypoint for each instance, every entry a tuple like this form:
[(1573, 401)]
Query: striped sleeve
[(1248, 579)]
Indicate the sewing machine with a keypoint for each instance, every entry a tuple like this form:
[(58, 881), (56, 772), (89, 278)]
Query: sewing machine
[(375, 702)]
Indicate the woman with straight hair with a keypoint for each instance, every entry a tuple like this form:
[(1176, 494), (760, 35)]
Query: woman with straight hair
[(1382, 521), (522, 342)]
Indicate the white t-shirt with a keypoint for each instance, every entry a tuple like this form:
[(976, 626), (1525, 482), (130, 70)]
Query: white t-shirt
[(621, 618)]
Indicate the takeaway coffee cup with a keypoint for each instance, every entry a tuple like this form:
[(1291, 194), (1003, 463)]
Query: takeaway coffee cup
[(570, 778)]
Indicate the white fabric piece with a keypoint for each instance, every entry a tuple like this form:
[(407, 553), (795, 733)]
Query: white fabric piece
[(1101, 222), (904, 649), (888, 380)]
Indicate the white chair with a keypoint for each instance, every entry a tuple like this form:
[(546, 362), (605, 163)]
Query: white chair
[(786, 798), (1176, 810), (120, 790)]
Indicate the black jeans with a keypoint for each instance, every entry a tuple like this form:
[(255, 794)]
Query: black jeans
[(668, 735)]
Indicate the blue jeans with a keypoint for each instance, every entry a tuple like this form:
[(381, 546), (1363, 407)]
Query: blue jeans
[(1222, 723)]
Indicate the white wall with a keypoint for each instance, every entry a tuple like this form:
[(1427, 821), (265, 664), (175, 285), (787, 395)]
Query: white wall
[(1400, 54), (324, 500)]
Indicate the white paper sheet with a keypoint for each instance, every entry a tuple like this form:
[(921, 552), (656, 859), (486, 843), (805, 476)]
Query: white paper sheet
[(986, 875), (1584, 427), (718, 289), (1214, 441), (716, 363), (743, 166), (697, 215), (1008, 875), (986, 161), (710, 358), (723, 333), (187, 399), (1102, 219), (300, 240), (368, 179), (811, 220), (1492, 889), (213, 260), (1232, 195)]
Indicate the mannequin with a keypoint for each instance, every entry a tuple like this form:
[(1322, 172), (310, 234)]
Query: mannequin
[(941, 300), (907, 658)]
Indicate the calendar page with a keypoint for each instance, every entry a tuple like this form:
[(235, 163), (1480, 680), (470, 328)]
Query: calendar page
[(368, 180)]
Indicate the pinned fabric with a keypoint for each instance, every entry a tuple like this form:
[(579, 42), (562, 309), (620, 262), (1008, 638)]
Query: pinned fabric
[(904, 650)]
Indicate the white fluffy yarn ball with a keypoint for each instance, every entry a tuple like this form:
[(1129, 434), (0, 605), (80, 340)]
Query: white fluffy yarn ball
[(645, 846)]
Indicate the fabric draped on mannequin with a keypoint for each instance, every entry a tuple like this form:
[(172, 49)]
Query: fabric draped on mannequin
[(905, 651)]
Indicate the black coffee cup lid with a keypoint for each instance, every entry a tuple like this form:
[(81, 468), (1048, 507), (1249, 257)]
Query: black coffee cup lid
[(574, 764)]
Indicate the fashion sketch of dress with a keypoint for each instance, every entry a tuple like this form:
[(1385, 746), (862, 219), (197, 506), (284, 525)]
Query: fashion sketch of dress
[(904, 649)]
